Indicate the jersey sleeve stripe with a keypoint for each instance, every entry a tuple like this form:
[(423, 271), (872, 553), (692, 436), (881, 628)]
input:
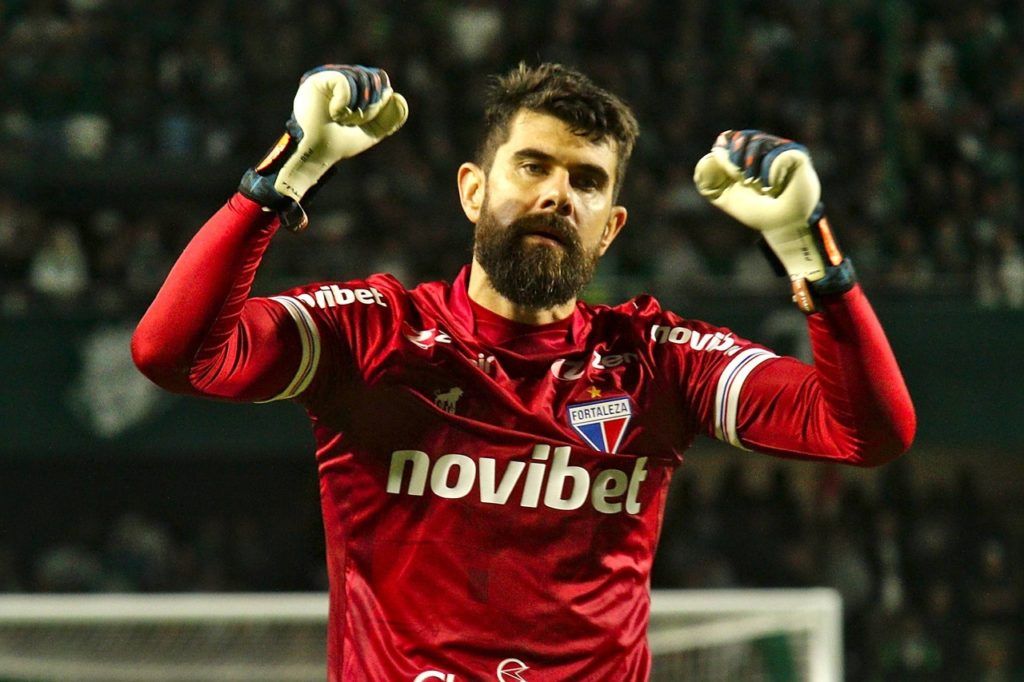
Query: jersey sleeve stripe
[(727, 395), (309, 337)]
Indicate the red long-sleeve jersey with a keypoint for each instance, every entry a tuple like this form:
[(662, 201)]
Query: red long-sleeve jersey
[(492, 492)]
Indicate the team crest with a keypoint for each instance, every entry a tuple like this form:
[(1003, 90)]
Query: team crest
[(602, 423)]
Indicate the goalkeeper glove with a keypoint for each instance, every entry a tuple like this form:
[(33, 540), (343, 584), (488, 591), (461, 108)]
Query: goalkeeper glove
[(768, 184), (338, 112)]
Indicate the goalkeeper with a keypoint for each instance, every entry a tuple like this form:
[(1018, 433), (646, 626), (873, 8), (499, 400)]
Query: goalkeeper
[(494, 454)]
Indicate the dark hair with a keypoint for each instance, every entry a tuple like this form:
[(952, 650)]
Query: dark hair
[(589, 110)]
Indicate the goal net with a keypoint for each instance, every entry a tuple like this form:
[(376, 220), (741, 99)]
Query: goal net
[(746, 635), (695, 636)]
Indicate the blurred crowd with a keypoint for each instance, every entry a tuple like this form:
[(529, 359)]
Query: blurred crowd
[(125, 124), (928, 573)]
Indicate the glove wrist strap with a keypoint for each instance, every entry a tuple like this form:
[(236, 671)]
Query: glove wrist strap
[(260, 188), (839, 273), (838, 280), (258, 183)]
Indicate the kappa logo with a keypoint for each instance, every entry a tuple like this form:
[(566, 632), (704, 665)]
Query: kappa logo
[(511, 670), (447, 400), (602, 423)]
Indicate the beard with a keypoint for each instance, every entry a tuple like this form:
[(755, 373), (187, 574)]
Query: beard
[(533, 275)]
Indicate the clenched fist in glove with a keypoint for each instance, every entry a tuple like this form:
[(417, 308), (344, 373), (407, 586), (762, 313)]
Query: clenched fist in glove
[(768, 184), (338, 112)]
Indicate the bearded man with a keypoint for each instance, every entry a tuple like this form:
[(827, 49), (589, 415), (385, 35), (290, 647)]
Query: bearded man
[(495, 453)]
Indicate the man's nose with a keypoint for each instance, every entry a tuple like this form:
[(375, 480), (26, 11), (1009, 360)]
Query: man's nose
[(556, 194)]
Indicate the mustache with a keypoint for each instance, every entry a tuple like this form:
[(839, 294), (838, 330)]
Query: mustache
[(548, 223)]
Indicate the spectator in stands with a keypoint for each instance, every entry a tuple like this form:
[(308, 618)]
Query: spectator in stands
[(59, 270)]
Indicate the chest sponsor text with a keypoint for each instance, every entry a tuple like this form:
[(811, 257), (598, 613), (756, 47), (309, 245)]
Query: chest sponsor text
[(546, 479)]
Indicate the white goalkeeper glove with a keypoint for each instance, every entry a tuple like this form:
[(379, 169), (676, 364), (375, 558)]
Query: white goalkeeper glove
[(769, 184), (338, 112)]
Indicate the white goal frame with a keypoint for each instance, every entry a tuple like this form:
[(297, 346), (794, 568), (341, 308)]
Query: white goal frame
[(738, 615), (716, 618)]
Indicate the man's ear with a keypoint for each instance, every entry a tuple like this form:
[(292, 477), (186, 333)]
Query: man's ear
[(472, 183), (616, 221)]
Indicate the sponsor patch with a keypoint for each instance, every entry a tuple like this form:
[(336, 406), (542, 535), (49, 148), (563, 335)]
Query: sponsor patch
[(601, 423)]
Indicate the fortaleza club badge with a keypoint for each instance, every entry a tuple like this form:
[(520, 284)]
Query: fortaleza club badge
[(602, 423)]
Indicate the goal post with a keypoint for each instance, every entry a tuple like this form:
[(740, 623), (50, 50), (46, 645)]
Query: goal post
[(695, 636), (774, 635), (191, 637)]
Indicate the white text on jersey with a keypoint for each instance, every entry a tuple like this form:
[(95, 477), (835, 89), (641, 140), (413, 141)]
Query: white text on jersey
[(558, 485), (332, 296), (684, 335), (570, 370)]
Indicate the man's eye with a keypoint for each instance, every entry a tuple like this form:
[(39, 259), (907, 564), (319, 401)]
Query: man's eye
[(587, 183), (533, 168)]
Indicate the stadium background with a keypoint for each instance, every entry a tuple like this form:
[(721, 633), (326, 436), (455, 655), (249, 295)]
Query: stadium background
[(123, 125)]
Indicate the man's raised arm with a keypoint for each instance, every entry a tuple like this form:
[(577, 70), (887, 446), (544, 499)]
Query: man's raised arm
[(202, 334), (852, 405)]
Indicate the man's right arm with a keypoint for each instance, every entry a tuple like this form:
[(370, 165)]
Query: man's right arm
[(203, 335)]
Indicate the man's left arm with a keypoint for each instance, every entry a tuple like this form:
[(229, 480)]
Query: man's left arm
[(852, 403)]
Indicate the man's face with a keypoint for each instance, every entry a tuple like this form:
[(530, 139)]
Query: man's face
[(547, 214)]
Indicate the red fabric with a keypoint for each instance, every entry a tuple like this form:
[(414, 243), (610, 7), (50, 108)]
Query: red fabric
[(202, 335), (852, 405)]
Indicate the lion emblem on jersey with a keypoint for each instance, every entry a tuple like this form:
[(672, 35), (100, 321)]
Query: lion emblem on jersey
[(446, 400)]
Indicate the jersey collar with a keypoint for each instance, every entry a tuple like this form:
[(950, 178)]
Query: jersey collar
[(463, 309)]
